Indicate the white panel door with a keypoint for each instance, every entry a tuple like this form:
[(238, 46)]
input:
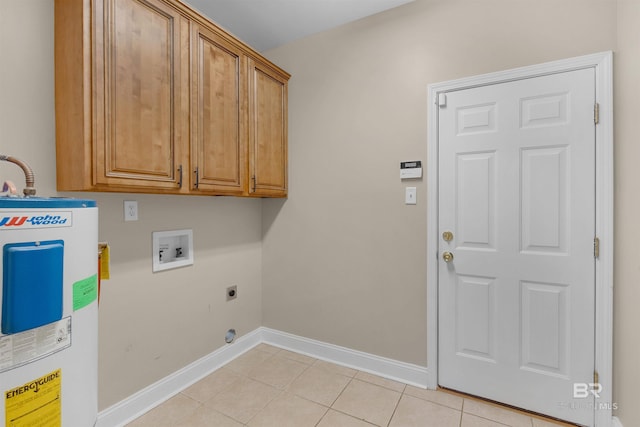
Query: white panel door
[(517, 191)]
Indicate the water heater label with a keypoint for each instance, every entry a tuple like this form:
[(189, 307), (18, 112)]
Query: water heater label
[(36, 403), (25, 347), (44, 219), (85, 292)]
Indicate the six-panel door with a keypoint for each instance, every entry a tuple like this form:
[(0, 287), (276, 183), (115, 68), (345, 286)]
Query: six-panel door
[(517, 191)]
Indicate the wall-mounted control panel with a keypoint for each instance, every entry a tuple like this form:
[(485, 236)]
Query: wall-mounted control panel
[(411, 170), (172, 249)]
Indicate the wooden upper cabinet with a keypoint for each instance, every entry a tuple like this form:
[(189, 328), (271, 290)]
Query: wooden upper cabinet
[(218, 130), (152, 97), (122, 101), (141, 121), (267, 131)]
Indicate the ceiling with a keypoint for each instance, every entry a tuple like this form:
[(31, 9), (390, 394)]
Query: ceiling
[(265, 24)]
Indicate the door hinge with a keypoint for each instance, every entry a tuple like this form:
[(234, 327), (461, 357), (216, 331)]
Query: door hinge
[(596, 113), (596, 377), (596, 248)]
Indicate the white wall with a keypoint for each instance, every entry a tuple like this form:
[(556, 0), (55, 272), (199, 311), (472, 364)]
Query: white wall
[(344, 259), (626, 337), (151, 325)]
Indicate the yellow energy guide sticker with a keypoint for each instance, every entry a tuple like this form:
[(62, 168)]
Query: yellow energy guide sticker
[(36, 403)]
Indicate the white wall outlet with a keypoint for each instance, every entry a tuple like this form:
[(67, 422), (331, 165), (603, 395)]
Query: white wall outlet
[(130, 210), (172, 249)]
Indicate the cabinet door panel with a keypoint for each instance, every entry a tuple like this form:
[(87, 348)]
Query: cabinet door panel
[(268, 133), (219, 141), (139, 142)]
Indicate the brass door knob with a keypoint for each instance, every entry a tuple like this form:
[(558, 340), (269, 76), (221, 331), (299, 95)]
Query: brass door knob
[(447, 256)]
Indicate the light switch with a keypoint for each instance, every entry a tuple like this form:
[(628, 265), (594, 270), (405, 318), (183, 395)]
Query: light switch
[(410, 196)]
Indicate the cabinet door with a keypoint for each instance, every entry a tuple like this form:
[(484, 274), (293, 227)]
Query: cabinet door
[(218, 137), (267, 131), (141, 94)]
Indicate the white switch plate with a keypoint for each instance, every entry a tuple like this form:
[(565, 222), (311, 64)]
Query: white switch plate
[(130, 210), (410, 196)]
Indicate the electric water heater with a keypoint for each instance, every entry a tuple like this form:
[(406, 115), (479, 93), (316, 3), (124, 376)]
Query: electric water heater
[(48, 312)]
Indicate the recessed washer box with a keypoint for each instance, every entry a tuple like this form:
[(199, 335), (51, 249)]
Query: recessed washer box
[(172, 249)]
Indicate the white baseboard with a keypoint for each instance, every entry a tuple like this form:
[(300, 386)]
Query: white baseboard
[(381, 366), (137, 404)]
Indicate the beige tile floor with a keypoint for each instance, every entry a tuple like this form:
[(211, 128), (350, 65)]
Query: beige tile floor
[(270, 387)]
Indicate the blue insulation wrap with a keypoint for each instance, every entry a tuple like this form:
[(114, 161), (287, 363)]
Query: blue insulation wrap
[(32, 285)]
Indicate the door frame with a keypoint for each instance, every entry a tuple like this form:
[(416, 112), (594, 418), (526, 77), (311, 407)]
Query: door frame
[(603, 64)]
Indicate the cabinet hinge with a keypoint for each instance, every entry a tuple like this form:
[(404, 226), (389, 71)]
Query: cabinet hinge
[(596, 247), (596, 377), (596, 113)]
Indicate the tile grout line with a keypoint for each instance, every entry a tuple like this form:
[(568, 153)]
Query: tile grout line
[(532, 416), (342, 412), (245, 375), (395, 409), (323, 415), (200, 405), (341, 392), (263, 408), (487, 419), (280, 391), (380, 385), (355, 417)]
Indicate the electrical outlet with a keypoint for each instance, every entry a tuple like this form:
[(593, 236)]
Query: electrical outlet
[(232, 292), (130, 210)]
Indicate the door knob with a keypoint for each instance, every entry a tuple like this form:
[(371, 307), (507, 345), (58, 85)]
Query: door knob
[(447, 256), (447, 236)]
